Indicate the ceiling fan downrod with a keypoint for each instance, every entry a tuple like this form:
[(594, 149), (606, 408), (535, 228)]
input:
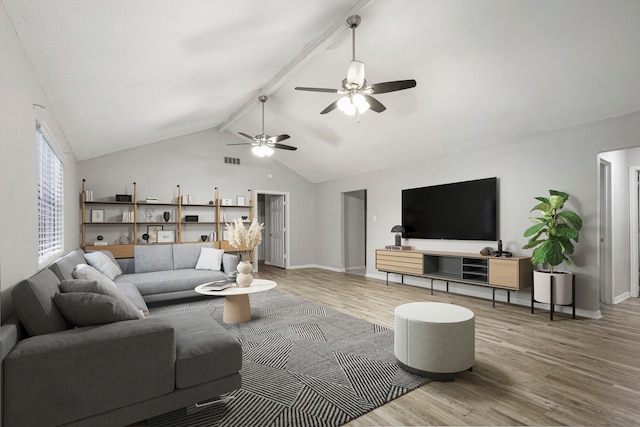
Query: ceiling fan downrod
[(355, 72), (263, 99)]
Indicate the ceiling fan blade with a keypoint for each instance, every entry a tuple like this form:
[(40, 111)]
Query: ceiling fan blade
[(317, 89), (242, 143), (285, 147), (247, 136), (392, 86), (374, 104), (330, 108), (279, 138)]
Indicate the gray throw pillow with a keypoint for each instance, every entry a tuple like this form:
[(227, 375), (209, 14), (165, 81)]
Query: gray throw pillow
[(83, 285), (103, 263), (85, 271), (88, 308)]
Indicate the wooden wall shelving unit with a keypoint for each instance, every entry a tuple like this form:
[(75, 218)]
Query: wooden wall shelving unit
[(132, 229)]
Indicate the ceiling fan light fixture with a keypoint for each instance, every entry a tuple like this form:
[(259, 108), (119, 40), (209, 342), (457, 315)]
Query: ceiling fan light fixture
[(346, 106), (355, 73), (262, 150), (360, 102)]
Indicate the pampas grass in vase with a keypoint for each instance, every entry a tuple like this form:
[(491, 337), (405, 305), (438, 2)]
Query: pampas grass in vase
[(244, 240)]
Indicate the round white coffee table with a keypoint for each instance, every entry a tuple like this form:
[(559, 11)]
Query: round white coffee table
[(237, 308)]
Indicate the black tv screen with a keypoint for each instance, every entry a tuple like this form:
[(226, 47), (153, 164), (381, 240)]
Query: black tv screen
[(458, 211)]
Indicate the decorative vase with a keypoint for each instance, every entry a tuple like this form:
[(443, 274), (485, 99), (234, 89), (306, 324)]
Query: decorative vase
[(166, 216), (244, 277)]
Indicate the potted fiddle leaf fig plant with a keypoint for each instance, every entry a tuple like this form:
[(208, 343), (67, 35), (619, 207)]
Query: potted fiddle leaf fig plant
[(552, 238)]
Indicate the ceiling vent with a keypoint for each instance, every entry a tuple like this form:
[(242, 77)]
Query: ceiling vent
[(232, 160)]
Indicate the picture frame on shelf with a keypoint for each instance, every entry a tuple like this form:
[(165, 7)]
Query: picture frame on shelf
[(166, 236), (240, 201), (152, 231), (97, 215)]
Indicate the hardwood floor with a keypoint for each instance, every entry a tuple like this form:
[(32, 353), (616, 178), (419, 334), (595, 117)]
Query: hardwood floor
[(528, 371)]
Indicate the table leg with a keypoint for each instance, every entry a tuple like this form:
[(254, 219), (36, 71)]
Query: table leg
[(237, 309)]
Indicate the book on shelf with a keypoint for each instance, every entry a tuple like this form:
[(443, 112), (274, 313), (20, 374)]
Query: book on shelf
[(151, 200), (100, 243), (398, 248), (128, 217), (88, 195)]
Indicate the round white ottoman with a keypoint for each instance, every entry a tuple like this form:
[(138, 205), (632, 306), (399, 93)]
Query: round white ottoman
[(434, 339)]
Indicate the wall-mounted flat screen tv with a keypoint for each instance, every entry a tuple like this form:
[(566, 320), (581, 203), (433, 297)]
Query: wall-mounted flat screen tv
[(457, 211)]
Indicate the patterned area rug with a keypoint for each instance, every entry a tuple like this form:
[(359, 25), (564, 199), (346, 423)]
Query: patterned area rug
[(303, 365)]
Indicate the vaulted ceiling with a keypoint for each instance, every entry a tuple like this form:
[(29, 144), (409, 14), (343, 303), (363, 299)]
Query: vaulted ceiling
[(123, 73)]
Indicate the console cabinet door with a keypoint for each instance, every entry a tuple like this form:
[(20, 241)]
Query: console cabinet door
[(510, 273)]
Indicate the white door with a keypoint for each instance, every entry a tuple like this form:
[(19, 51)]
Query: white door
[(276, 231)]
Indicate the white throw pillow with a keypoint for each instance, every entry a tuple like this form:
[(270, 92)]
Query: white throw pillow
[(210, 259), (84, 271), (105, 265)]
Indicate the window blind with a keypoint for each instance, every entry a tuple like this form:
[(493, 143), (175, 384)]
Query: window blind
[(50, 200)]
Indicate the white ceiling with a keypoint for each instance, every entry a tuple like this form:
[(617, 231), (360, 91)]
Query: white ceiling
[(123, 73)]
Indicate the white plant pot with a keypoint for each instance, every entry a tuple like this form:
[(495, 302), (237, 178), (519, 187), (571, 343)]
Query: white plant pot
[(562, 287)]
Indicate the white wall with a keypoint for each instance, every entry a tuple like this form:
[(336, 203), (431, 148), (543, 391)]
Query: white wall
[(564, 160), (19, 90), (196, 163)]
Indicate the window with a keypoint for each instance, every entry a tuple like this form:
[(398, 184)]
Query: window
[(50, 200)]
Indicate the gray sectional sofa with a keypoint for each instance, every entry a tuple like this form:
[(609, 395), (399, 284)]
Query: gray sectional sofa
[(113, 374)]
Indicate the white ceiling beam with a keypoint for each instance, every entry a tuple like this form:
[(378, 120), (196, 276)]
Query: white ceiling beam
[(305, 57)]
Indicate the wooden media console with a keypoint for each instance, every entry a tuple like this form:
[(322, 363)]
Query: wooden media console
[(511, 274)]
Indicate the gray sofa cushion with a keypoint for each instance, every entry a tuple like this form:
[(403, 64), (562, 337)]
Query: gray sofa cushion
[(230, 262), (153, 258), (34, 305), (186, 256), (63, 267), (160, 282), (88, 308), (205, 351)]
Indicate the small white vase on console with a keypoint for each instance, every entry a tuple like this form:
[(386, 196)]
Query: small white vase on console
[(244, 277)]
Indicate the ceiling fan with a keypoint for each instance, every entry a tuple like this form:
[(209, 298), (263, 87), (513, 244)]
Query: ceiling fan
[(357, 93), (264, 144)]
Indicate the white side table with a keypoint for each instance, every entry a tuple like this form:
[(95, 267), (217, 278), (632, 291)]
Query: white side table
[(237, 308), (434, 339)]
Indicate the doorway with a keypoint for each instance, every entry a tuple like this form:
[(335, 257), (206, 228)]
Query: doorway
[(604, 232), (273, 212), (634, 204), (354, 232)]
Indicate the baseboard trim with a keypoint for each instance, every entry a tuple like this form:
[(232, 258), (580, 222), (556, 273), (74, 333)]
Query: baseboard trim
[(323, 267), (522, 298), (620, 298)]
